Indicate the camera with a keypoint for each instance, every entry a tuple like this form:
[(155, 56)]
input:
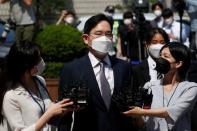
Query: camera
[(128, 97), (78, 93), (146, 98), (123, 99), (7, 27)]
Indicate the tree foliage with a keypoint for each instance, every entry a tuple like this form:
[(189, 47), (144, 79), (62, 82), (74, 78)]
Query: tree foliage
[(60, 43)]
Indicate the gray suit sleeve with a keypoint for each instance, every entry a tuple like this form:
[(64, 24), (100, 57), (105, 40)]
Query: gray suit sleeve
[(183, 104)]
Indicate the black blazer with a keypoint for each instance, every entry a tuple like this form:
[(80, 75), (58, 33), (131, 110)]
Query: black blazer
[(192, 72), (95, 117), (141, 75)]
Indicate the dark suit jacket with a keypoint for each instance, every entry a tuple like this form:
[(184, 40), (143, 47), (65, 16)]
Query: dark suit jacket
[(192, 76), (141, 75), (153, 24), (95, 117), (192, 72)]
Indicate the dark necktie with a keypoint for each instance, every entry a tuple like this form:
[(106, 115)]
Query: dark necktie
[(105, 87), (159, 76)]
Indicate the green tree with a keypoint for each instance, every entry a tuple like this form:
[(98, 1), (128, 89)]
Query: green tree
[(59, 44)]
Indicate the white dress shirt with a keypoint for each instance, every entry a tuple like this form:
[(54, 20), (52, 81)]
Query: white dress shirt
[(174, 29), (160, 22), (108, 70), (152, 71), (21, 112)]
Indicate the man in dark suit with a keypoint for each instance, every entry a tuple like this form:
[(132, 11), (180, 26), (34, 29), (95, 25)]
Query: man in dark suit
[(102, 75)]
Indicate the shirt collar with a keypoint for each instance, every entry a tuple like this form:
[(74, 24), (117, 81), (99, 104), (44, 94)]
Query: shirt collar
[(95, 61), (151, 63), (21, 90)]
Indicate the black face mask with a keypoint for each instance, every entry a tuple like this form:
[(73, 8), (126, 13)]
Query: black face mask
[(162, 65)]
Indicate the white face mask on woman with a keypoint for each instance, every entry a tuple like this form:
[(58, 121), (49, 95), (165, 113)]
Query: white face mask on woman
[(102, 44), (40, 67), (158, 13), (154, 50)]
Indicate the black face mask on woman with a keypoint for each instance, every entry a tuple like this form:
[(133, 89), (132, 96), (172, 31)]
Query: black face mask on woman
[(162, 65)]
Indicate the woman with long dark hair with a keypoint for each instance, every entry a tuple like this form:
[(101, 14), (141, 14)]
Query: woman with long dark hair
[(173, 96), (24, 101)]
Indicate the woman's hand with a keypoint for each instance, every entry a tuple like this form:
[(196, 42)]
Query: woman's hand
[(134, 111), (60, 107), (54, 109), (64, 13)]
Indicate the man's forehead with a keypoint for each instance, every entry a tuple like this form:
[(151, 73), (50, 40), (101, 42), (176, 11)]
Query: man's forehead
[(102, 26)]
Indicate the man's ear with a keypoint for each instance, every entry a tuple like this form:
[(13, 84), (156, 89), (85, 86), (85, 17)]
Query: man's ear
[(179, 64), (85, 38)]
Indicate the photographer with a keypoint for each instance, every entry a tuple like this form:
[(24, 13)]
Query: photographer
[(127, 47), (68, 18), (173, 96), (23, 15)]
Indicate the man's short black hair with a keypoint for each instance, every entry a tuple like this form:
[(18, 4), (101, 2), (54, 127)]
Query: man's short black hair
[(94, 20), (167, 13), (128, 14)]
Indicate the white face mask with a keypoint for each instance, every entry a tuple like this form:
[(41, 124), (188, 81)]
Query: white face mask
[(158, 13), (102, 44), (40, 67), (108, 14), (127, 21), (69, 20), (154, 50), (168, 21)]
